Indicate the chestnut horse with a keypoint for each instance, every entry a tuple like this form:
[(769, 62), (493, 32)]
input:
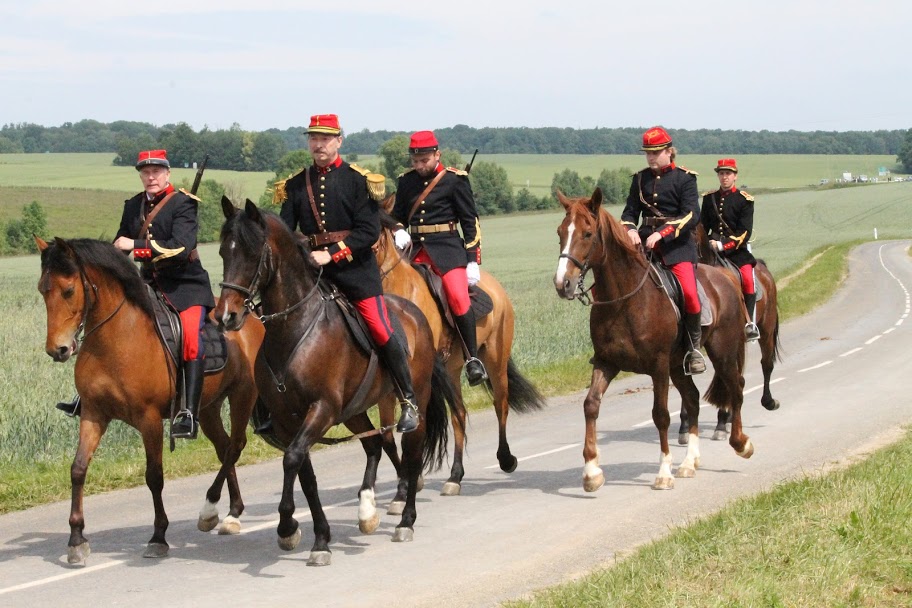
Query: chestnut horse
[(313, 375), (634, 328), (767, 318), (494, 331), (98, 308)]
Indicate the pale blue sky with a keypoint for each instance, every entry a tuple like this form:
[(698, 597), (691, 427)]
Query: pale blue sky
[(775, 64)]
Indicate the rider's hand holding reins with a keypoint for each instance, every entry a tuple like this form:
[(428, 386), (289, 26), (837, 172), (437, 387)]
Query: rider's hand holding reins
[(321, 257), (403, 239), (634, 237), (652, 240)]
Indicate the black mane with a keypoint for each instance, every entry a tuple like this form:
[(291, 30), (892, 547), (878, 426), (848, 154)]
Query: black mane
[(104, 256)]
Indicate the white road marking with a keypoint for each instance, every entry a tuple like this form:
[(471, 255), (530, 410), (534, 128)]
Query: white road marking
[(872, 340), (540, 454), (818, 366), (60, 577), (850, 352)]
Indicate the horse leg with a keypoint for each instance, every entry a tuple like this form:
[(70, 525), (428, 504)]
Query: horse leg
[(497, 373), (690, 411), (90, 433), (368, 516), (320, 555), (151, 432), (662, 420), (412, 444), (684, 428), (769, 328), (453, 485), (386, 407), (723, 424), (602, 375)]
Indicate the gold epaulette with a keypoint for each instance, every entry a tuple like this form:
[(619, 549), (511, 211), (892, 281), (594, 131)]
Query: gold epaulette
[(747, 197), (406, 172), (376, 182), (707, 193), (193, 196), (686, 170), (457, 171), (360, 170), (279, 194)]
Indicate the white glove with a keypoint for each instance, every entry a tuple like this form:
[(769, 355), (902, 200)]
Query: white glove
[(717, 245), (403, 239), (473, 273)]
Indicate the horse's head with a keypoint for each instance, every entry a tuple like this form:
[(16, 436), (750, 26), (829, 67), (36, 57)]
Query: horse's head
[(246, 260), (64, 287), (578, 234)]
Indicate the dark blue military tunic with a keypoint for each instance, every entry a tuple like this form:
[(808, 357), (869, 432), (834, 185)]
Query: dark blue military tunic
[(170, 262), (671, 194), (728, 217)]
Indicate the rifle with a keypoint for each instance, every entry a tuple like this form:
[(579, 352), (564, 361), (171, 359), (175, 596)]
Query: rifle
[(468, 168), (199, 175)]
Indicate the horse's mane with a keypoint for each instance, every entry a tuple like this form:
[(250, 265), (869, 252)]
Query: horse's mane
[(250, 235), (102, 255), (611, 229)]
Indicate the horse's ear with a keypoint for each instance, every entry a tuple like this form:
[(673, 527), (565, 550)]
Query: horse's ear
[(596, 201), (228, 207), (65, 247), (253, 212), (42, 244), (562, 198), (388, 202)]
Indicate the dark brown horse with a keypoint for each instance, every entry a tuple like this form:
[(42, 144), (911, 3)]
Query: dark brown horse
[(767, 318), (98, 308), (313, 375), (634, 328), (509, 388)]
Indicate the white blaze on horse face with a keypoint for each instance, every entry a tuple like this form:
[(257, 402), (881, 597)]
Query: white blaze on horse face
[(563, 261)]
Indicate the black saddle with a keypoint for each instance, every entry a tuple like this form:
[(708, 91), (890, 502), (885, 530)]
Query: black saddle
[(168, 325), (728, 265), (482, 304), (666, 279)]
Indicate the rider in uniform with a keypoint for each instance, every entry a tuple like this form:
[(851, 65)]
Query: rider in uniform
[(335, 206), (666, 196), (171, 265), (432, 201), (728, 217)]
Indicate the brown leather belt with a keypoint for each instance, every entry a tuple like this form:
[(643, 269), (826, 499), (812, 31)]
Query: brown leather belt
[(654, 221), (433, 228), (323, 239)]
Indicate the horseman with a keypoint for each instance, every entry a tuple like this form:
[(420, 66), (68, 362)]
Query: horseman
[(335, 206), (159, 227), (728, 217), (434, 202), (666, 196)]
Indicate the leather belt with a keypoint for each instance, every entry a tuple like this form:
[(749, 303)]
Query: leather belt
[(433, 228), (654, 221), (323, 239)]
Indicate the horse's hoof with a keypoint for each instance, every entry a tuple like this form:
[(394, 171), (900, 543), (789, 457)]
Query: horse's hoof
[(748, 450), (207, 524), (289, 543), (451, 488), (772, 405), (593, 483), (509, 465), (683, 438), (664, 483), (420, 485), (230, 526), (79, 553), (319, 558), (686, 472), (156, 550), (403, 535), (396, 507), (367, 526), (720, 436)]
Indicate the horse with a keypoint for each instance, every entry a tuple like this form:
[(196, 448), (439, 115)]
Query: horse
[(98, 308), (767, 318), (510, 390), (312, 374), (633, 327)]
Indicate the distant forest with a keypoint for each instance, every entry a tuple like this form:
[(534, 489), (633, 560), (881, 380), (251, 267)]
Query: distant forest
[(242, 150)]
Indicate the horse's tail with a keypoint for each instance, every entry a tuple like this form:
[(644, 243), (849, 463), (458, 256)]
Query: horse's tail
[(777, 345), (443, 394), (522, 396)]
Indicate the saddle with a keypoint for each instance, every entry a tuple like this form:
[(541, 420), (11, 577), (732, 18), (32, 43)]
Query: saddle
[(664, 278), (168, 327), (481, 302), (728, 265)]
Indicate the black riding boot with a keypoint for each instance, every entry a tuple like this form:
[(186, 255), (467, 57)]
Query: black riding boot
[(475, 370), (185, 423), (693, 360), (751, 331), (71, 408), (396, 362)]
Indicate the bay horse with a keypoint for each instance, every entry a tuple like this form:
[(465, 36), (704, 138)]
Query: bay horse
[(767, 318), (494, 331), (633, 327), (312, 374), (98, 308)]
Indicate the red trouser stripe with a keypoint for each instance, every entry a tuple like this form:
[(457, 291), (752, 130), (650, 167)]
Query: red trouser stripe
[(374, 312), (688, 280), (192, 321), (747, 279), (455, 285)]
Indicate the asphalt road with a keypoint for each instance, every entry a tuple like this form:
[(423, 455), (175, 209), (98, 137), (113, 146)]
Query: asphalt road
[(843, 387)]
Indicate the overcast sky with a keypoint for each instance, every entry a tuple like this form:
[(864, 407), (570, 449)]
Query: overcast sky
[(768, 64)]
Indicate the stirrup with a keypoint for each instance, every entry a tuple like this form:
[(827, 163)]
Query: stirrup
[(71, 408), (751, 332), (180, 428), (477, 376), (408, 420), (694, 363)]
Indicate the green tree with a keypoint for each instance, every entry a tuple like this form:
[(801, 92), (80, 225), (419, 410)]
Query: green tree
[(19, 232), (571, 184), (615, 184), (451, 158), (905, 152), (394, 153), (262, 151), (183, 145), (128, 148), (288, 165), (493, 192), (210, 214)]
